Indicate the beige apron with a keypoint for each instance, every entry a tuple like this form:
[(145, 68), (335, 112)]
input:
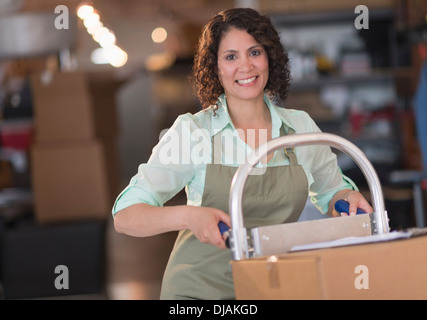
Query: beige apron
[(202, 271)]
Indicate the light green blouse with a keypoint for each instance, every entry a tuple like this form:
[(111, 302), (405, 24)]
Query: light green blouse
[(179, 159)]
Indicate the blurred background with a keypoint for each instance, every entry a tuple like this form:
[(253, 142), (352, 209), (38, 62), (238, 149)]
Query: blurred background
[(87, 86)]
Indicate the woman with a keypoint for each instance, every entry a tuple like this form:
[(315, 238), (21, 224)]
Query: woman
[(239, 67)]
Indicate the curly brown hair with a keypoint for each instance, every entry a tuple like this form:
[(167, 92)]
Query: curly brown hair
[(204, 76)]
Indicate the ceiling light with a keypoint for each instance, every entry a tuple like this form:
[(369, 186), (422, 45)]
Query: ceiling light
[(115, 56), (112, 55), (91, 20), (94, 28), (84, 11), (159, 35), (98, 56), (109, 52), (99, 32), (107, 39)]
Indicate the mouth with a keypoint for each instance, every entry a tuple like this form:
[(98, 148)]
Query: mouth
[(246, 81)]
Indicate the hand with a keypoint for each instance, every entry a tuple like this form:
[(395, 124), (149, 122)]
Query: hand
[(203, 222), (356, 200)]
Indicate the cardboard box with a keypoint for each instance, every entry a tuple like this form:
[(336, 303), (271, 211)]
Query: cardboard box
[(70, 181), (111, 159), (102, 88), (62, 107), (387, 270), (74, 106)]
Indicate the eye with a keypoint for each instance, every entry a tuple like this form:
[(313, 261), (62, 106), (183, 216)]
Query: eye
[(255, 53), (230, 57)]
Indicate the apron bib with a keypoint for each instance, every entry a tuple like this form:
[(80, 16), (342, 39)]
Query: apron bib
[(201, 271)]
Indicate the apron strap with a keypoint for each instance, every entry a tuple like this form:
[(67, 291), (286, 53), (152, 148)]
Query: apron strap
[(216, 143), (289, 152)]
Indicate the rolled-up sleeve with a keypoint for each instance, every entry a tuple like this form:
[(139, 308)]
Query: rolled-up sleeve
[(328, 178), (165, 173)]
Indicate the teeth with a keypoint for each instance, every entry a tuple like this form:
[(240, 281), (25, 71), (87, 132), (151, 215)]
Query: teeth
[(246, 81)]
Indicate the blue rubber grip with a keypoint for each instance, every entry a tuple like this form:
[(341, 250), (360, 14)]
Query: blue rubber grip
[(223, 227), (343, 206)]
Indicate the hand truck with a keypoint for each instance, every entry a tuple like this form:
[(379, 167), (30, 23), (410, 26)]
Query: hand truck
[(268, 240)]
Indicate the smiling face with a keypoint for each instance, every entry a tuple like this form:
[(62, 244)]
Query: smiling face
[(242, 65)]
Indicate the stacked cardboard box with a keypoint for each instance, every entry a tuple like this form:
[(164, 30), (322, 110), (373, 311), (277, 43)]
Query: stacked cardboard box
[(74, 167)]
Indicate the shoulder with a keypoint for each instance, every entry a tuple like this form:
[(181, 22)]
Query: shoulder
[(297, 119), (200, 119), (187, 124)]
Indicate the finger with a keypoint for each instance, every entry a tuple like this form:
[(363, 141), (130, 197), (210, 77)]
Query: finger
[(366, 207), (227, 221), (352, 209), (218, 241), (222, 216)]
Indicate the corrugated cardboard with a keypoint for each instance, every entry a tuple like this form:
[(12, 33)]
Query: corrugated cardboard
[(74, 106), (70, 181), (74, 158), (267, 279), (387, 270), (110, 156), (62, 107), (102, 88)]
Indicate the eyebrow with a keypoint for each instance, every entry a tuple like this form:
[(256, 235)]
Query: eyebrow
[(249, 49)]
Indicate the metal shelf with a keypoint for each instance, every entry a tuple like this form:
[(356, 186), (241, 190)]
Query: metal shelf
[(320, 81)]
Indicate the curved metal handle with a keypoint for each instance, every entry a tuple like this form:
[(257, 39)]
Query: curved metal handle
[(238, 231)]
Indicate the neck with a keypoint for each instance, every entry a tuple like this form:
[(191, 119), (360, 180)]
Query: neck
[(248, 113)]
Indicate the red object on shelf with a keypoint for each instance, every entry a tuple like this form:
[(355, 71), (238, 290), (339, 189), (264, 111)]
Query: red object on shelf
[(16, 135)]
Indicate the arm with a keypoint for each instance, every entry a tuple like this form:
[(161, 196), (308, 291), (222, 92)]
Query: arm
[(328, 178), (139, 210), (143, 220)]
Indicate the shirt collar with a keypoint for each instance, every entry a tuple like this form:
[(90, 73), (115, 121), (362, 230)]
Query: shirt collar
[(221, 118)]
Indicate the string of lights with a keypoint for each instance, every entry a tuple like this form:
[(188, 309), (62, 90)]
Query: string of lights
[(108, 52)]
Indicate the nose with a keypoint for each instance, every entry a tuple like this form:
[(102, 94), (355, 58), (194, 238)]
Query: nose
[(245, 64)]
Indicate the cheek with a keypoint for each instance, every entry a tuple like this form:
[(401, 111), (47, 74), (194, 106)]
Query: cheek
[(224, 74), (221, 70), (266, 71), (264, 65)]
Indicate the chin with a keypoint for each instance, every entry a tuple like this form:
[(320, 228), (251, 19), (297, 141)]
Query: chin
[(251, 96)]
